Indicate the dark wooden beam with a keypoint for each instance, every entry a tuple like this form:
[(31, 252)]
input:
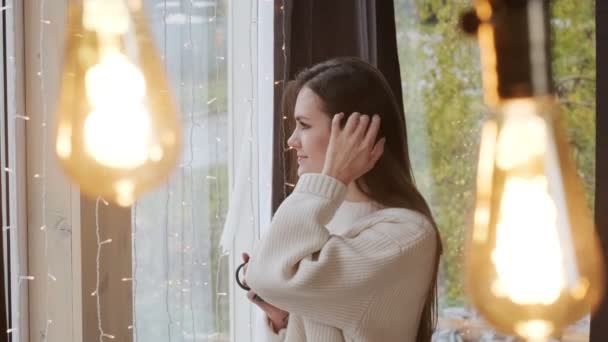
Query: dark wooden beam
[(116, 301)]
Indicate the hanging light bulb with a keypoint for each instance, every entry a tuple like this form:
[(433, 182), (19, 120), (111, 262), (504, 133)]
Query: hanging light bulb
[(117, 131), (533, 258)]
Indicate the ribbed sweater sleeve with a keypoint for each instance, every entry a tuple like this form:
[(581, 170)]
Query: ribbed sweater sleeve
[(300, 267), (272, 336)]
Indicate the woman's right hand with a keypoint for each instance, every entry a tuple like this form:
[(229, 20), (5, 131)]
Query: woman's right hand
[(353, 150), (277, 316)]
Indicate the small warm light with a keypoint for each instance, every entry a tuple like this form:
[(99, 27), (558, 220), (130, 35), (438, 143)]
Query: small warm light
[(498, 288), (581, 289), (135, 5), (534, 331), (129, 129), (64, 145), (117, 132), (116, 90), (114, 79), (124, 190), (156, 153), (106, 16), (482, 218), (527, 256), (523, 135)]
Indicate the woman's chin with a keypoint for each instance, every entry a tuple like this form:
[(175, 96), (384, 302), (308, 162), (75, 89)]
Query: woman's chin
[(302, 170)]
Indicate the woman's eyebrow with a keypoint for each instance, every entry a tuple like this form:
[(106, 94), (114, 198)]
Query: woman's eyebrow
[(301, 117)]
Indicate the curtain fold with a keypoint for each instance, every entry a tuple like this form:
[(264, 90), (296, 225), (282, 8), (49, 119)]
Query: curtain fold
[(599, 322), (5, 292), (310, 31)]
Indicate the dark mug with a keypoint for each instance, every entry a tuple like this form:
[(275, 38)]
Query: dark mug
[(242, 285), (238, 279)]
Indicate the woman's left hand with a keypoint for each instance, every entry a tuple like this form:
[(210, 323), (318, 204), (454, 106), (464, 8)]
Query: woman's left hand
[(353, 150), (277, 316)]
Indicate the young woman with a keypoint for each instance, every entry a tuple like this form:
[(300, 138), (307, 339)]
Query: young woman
[(352, 254)]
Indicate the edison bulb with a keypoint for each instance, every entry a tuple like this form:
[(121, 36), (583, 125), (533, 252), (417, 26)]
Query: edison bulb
[(117, 132), (533, 257)]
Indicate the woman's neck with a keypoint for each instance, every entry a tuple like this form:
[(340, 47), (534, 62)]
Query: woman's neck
[(354, 194)]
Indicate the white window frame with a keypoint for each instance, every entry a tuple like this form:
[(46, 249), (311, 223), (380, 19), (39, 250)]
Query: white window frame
[(13, 157), (253, 20)]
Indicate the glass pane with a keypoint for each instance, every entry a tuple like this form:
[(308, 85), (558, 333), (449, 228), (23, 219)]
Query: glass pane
[(181, 287), (441, 77)]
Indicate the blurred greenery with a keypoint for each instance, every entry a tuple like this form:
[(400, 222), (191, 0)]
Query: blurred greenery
[(444, 109)]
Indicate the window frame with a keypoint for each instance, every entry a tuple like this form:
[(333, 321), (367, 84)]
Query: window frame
[(13, 159), (247, 322)]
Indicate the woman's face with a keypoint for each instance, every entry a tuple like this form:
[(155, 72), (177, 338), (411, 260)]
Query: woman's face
[(311, 135)]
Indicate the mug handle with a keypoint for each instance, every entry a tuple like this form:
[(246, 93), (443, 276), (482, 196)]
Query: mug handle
[(238, 280)]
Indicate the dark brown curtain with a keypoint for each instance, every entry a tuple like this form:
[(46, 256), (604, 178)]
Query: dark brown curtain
[(311, 31), (599, 323), (4, 300)]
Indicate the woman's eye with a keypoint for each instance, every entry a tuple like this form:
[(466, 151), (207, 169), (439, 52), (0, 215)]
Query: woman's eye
[(303, 125)]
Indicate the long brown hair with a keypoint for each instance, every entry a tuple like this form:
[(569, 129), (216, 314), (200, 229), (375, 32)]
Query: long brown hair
[(350, 85)]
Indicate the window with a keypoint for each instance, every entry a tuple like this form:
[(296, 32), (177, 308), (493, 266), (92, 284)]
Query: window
[(164, 276), (445, 109), (181, 288), (186, 241)]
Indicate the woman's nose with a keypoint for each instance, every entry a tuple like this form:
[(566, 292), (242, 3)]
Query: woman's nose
[(293, 141)]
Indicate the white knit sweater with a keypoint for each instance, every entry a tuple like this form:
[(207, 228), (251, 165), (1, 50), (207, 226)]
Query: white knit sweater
[(345, 271)]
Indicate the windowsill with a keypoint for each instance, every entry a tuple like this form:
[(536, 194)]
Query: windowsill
[(473, 330)]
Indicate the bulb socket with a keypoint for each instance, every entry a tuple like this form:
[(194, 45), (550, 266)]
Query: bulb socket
[(521, 44)]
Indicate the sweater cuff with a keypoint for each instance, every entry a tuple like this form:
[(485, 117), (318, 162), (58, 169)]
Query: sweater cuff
[(272, 336), (321, 185)]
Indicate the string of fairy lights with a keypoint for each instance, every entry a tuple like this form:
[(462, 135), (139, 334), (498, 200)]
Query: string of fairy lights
[(100, 243), (134, 269), (283, 83), (218, 59), (43, 227), (168, 199), (185, 168), (188, 291)]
